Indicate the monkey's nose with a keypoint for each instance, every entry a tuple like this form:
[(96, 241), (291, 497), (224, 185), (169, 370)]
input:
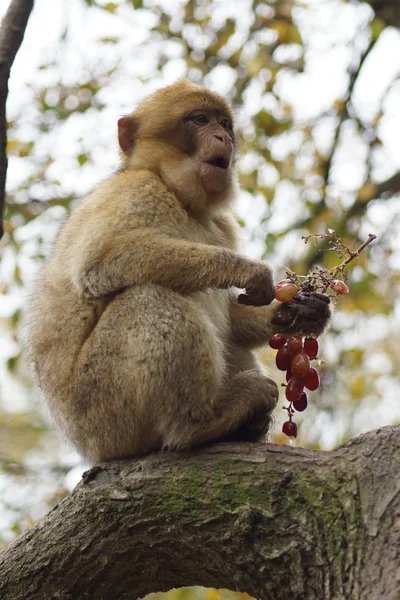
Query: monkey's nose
[(222, 138)]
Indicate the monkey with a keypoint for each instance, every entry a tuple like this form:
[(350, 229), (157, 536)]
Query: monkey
[(138, 336)]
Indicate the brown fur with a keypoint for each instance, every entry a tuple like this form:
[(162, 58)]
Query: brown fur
[(136, 337)]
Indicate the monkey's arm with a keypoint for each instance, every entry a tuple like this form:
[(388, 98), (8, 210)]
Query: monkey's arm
[(253, 326), (148, 256)]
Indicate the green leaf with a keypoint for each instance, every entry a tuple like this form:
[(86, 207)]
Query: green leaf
[(110, 7), (82, 159), (377, 26), (12, 363)]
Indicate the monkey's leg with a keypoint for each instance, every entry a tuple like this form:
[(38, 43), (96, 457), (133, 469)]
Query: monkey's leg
[(241, 411), (153, 374)]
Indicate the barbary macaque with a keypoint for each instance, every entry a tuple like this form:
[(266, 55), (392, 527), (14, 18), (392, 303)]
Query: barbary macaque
[(137, 337)]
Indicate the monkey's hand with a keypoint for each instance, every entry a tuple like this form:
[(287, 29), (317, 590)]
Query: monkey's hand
[(305, 314), (260, 288)]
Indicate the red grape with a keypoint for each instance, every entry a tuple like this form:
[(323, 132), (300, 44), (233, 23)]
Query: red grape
[(301, 365), (290, 428), (301, 403), (289, 375), (286, 292), (282, 282), (311, 381), (283, 358), (295, 343), (294, 390), (277, 341), (339, 286), (311, 347)]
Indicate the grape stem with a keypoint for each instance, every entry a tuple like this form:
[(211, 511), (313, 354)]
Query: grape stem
[(355, 254), (335, 271), (322, 278)]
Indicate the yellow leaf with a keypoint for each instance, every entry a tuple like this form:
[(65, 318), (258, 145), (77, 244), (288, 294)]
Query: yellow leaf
[(377, 26), (283, 30), (339, 105), (357, 388)]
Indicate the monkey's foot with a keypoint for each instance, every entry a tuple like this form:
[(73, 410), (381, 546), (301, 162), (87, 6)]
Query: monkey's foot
[(253, 430)]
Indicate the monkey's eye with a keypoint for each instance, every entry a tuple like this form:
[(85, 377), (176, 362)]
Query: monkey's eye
[(200, 119), (225, 123)]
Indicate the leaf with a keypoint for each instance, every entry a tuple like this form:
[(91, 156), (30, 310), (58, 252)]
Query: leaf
[(294, 36), (16, 317), (110, 7), (82, 159), (357, 387), (12, 362), (287, 32), (377, 26)]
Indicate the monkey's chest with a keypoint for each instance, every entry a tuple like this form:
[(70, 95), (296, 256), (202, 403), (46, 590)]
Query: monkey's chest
[(214, 305)]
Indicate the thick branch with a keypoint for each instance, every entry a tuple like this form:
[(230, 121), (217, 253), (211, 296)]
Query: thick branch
[(387, 10), (274, 521), (11, 35), (371, 191)]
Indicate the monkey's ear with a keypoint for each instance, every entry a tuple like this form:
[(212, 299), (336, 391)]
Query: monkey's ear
[(127, 128)]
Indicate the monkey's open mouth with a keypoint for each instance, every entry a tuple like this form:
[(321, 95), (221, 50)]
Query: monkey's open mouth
[(220, 162)]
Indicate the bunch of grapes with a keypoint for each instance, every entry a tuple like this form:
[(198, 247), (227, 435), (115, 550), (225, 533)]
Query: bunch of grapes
[(294, 356)]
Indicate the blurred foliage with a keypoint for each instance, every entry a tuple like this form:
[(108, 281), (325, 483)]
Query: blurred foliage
[(317, 90)]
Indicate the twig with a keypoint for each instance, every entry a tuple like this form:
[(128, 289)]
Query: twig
[(355, 254), (321, 279)]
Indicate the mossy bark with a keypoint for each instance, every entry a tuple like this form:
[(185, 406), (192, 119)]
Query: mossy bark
[(273, 521)]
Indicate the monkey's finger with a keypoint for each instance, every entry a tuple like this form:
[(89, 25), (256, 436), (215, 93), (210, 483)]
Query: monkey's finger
[(305, 297), (312, 298), (250, 300), (283, 317), (244, 299), (279, 321), (321, 297)]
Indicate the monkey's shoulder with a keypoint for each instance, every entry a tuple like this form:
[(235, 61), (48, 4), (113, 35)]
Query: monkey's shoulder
[(133, 198)]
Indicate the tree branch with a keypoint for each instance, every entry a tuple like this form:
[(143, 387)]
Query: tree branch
[(11, 35), (371, 191), (273, 521), (387, 10), (343, 113)]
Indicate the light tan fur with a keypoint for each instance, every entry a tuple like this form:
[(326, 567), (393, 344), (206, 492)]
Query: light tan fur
[(137, 339)]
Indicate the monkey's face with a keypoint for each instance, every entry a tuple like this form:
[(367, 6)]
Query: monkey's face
[(213, 147), (185, 133)]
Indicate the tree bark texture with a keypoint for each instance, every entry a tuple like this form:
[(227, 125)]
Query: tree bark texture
[(387, 10), (12, 32), (273, 521)]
